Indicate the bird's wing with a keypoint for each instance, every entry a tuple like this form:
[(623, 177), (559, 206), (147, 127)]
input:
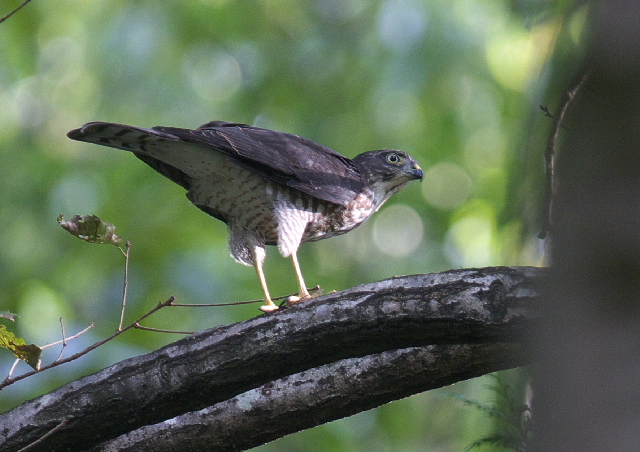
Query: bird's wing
[(283, 158), (150, 146)]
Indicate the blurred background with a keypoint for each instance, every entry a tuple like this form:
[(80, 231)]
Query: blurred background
[(455, 83)]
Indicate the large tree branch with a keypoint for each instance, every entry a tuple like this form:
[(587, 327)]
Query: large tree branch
[(327, 358), (318, 395)]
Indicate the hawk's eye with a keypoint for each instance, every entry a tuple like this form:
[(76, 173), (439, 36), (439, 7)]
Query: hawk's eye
[(394, 158)]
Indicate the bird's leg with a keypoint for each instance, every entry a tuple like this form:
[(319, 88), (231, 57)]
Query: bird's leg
[(257, 264), (303, 292)]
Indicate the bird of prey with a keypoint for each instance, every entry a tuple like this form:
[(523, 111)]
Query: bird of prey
[(270, 188)]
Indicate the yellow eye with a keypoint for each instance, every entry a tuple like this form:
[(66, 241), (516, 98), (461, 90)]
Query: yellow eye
[(394, 158)]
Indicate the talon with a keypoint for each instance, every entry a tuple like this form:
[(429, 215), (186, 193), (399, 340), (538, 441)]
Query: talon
[(269, 308), (304, 296)]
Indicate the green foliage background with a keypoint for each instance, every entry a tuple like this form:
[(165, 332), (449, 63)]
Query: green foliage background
[(454, 83)]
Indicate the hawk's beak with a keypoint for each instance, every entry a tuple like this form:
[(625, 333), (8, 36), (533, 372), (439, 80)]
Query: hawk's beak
[(416, 172)]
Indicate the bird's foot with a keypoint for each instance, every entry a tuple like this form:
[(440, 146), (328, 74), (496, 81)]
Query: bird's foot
[(270, 307), (312, 293), (291, 299)]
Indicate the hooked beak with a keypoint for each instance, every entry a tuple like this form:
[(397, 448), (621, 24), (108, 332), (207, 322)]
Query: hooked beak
[(416, 172)]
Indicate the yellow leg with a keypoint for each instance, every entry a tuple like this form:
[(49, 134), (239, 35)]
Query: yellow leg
[(270, 305), (303, 292)]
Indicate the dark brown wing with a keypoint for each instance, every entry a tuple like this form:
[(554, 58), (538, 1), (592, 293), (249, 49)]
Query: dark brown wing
[(286, 159), (281, 157)]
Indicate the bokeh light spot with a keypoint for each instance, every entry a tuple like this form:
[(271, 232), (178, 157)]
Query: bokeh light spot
[(485, 148), (469, 241), (74, 194), (40, 307), (215, 75), (402, 24), (510, 57), (398, 230), (446, 186), (515, 56)]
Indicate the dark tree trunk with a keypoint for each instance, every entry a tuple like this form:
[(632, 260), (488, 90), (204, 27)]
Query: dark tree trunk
[(586, 386)]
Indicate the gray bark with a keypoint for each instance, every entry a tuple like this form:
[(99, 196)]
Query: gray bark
[(323, 359)]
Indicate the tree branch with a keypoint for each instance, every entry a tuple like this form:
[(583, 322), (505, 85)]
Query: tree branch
[(15, 10), (328, 357), (550, 151), (317, 396)]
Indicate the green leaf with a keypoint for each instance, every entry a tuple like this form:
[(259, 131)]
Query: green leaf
[(90, 228), (29, 353)]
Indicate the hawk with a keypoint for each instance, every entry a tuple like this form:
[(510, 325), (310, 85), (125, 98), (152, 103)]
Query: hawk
[(270, 188)]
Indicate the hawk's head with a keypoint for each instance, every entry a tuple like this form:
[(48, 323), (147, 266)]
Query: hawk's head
[(387, 172)]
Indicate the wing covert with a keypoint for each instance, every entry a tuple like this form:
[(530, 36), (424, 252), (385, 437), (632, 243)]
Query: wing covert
[(283, 158)]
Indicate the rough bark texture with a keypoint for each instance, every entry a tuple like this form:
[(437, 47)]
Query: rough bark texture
[(303, 356), (316, 396)]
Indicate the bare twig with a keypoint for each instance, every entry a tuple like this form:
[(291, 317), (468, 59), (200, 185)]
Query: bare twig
[(550, 150), (314, 291), (208, 305), (546, 110), (13, 368), (75, 336), (15, 11), (51, 432), (126, 282), (7, 381), (64, 340), (157, 330)]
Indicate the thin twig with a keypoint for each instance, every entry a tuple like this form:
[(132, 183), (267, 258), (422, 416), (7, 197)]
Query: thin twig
[(13, 368), (15, 11), (235, 303), (64, 334), (158, 330), (126, 282), (208, 305), (8, 381), (64, 340), (75, 336), (550, 150), (47, 435), (546, 110)]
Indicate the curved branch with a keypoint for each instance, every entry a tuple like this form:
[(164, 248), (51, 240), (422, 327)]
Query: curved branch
[(488, 306), (550, 151), (317, 396)]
